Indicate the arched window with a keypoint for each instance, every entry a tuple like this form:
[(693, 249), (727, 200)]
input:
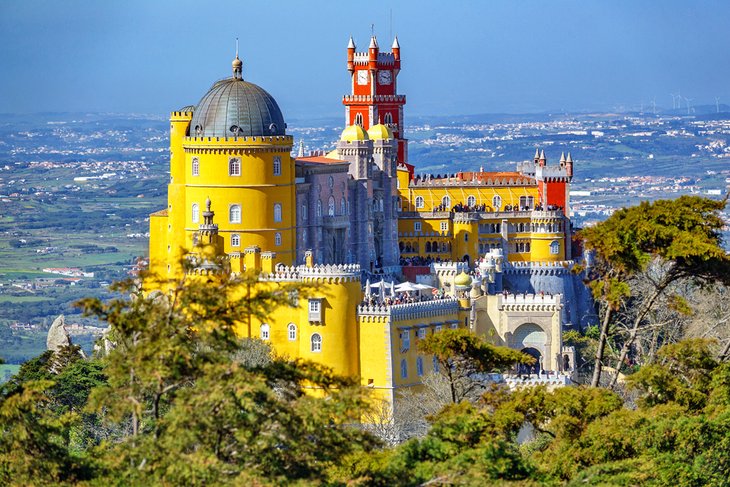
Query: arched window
[(446, 202), (292, 329), (234, 214), (318, 211), (358, 119), (305, 215), (343, 208), (331, 206), (234, 166), (404, 369), (555, 247), (277, 166), (265, 332), (277, 212), (435, 365), (419, 202), (428, 246), (419, 366), (380, 204), (388, 119), (195, 213), (471, 201), (196, 167), (316, 342), (497, 202), (277, 239), (235, 240)]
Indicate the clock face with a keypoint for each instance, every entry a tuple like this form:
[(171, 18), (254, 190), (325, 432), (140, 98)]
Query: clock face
[(362, 77), (385, 77)]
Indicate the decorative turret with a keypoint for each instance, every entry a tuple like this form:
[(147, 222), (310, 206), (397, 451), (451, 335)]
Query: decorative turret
[(351, 55), (569, 166), (537, 155), (562, 159), (373, 50), (542, 161), (396, 49)]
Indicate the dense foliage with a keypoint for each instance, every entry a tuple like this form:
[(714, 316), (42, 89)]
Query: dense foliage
[(178, 399)]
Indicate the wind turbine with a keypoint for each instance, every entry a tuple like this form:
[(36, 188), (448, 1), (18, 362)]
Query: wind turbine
[(717, 103), (688, 101), (653, 105), (674, 100)]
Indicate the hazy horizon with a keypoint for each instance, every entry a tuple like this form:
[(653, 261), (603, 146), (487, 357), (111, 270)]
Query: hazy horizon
[(463, 59)]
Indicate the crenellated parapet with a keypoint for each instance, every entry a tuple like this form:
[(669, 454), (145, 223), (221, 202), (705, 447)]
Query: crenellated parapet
[(530, 302), (449, 268), (485, 179), (539, 268), (408, 311), (333, 273)]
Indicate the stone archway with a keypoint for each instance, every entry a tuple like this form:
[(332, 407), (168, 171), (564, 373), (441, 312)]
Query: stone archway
[(530, 336)]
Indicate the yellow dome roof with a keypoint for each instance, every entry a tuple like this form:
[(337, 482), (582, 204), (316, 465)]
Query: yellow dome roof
[(353, 133), (380, 132), (462, 279)]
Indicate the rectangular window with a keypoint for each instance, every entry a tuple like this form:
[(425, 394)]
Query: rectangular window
[(416, 226), (421, 333), (405, 337), (444, 226), (315, 310), (235, 240)]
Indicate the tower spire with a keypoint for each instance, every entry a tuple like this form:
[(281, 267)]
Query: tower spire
[(237, 64)]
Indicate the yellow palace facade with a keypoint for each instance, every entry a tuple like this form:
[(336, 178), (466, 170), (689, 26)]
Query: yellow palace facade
[(490, 248)]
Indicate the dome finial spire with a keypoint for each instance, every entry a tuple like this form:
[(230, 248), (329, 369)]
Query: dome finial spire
[(237, 64)]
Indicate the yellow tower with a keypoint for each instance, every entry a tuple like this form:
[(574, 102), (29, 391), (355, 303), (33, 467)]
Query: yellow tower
[(232, 149)]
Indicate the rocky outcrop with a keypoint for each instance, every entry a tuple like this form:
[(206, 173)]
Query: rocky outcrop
[(58, 337)]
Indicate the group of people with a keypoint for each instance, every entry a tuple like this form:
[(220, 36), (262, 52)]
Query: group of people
[(417, 260)]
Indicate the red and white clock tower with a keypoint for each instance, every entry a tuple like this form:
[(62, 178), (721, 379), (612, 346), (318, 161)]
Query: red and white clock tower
[(374, 97)]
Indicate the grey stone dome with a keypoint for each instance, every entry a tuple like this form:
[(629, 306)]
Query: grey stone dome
[(234, 107)]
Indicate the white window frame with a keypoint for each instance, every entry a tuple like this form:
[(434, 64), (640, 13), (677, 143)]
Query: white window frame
[(195, 167), (277, 239), (555, 247), (315, 343), (444, 226), (305, 212), (234, 166), (234, 214), (277, 166), (471, 200), (420, 202), (331, 206), (265, 332), (235, 240), (195, 213), (421, 333), (292, 332), (497, 202), (446, 202), (318, 211), (277, 212), (416, 226)]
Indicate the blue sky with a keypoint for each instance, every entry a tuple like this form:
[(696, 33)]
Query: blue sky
[(459, 57)]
